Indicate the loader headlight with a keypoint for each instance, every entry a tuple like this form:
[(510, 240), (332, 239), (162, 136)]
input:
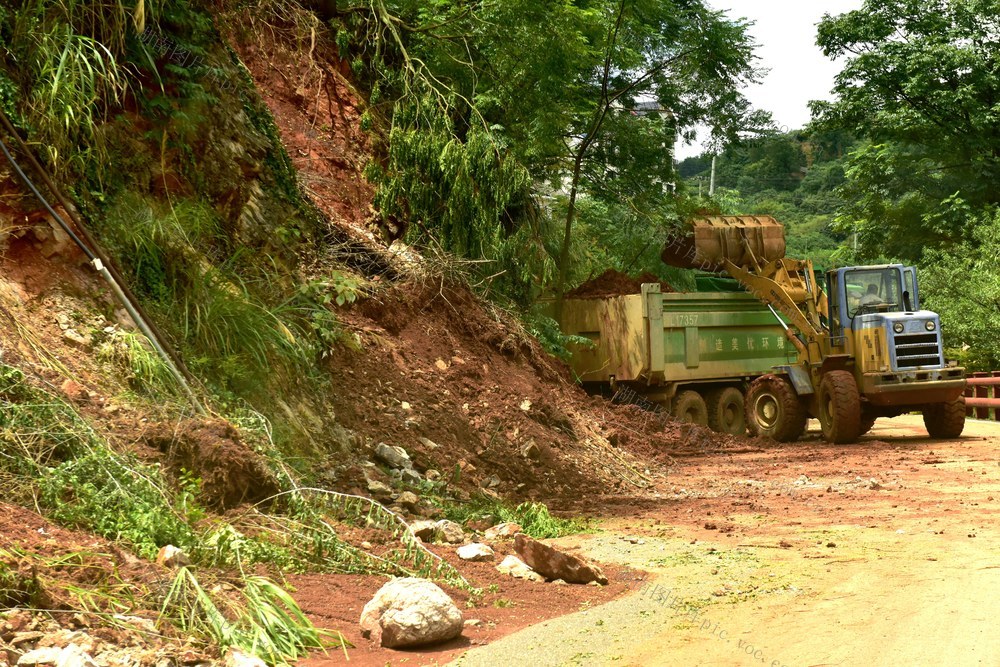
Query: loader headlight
[(930, 325), (898, 327)]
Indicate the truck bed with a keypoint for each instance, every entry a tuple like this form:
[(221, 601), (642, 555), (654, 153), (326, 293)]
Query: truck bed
[(657, 338)]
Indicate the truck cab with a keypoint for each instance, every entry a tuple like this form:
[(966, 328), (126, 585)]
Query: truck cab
[(875, 318)]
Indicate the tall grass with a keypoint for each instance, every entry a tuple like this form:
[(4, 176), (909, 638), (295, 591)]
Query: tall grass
[(132, 355), (534, 518), (220, 316), (238, 333), (69, 58), (263, 620), (77, 78)]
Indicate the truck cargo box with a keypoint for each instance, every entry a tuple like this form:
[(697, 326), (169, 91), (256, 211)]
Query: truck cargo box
[(656, 338)]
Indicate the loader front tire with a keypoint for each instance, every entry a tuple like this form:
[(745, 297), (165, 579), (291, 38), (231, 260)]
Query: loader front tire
[(945, 420), (840, 407), (773, 409), (689, 407)]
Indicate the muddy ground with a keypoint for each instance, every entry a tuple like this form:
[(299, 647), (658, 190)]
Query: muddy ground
[(880, 553)]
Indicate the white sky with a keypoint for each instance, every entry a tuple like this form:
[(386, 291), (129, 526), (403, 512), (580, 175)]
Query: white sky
[(785, 31)]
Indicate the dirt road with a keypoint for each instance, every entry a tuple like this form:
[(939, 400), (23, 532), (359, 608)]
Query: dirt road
[(880, 553)]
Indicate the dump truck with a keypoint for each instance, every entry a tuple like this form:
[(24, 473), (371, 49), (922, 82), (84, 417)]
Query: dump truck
[(858, 346)]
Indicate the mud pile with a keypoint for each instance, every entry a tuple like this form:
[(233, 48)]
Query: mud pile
[(473, 398), (614, 283)]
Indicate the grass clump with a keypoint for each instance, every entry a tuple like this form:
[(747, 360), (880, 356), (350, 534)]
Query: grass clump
[(118, 498), (260, 619), (132, 356), (534, 518), (305, 534), (50, 454)]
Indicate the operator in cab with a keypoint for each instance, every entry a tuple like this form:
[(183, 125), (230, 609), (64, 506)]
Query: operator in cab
[(871, 298)]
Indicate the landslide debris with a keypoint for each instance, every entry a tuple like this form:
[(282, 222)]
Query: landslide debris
[(615, 283)]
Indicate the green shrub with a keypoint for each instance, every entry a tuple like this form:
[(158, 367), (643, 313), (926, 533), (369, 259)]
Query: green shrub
[(534, 518), (551, 337), (117, 497)]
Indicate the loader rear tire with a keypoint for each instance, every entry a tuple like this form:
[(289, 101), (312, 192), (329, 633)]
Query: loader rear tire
[(725, 411), (840, 407), (945, 420), (772, 409), (689, 407)]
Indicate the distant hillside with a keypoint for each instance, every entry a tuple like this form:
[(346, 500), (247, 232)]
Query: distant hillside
[(791, 176)]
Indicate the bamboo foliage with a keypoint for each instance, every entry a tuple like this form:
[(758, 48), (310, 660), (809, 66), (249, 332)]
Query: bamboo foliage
[(69, 58)]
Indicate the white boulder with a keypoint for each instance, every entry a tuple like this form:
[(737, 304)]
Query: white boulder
[(410, 612), (517, 568), (475, 552)]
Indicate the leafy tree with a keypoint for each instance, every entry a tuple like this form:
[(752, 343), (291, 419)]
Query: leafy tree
[(962, 284), (921, 86), (688, 59), (765, 177), (485, 106)]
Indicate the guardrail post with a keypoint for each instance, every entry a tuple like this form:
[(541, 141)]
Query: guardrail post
[(996, 412), (982, 391), (969, 393)]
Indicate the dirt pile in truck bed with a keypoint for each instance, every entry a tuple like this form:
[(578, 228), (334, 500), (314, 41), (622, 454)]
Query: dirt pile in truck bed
[(615, 283)]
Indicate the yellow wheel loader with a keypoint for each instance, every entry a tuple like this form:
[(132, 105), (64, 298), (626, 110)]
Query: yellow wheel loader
[(865, 348)]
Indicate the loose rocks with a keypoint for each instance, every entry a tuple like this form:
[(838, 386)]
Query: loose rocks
[(410, 612), (555, 564), (475, 552)]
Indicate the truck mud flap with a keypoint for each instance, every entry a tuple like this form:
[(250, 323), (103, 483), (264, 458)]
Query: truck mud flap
[(799, 377)]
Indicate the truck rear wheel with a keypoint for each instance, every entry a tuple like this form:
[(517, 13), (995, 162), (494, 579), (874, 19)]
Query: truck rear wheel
[(945, 420), (840, 407), (772, 409), (690, 407), (725, 411)]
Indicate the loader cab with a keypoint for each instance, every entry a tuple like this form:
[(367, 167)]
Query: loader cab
[(876, 310), (910, 288), (856, 291)]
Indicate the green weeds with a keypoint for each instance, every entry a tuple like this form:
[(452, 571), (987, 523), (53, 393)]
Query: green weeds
[(69, 58), (260, 619), (534, 518), (132, 357)]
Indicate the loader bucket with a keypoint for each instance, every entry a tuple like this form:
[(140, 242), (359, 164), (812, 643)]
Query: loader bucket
[(744, 240)]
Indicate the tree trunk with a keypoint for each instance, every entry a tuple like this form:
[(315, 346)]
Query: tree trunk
[(568, 231)]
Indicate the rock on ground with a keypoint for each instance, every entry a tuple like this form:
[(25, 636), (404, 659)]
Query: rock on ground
[(410, 612), (555, 564), (236, 658), (475, 552), (408, 499), (171, 556), (450, 532), (502, 531), (424, 530), (394, 457), (516, 567), (379, 489), (410, 476), (70, 656)]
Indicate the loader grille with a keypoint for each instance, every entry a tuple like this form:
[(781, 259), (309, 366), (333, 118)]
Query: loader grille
[(919, 349)]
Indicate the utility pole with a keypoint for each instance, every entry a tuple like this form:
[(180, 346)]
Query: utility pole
[(711, 184)]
